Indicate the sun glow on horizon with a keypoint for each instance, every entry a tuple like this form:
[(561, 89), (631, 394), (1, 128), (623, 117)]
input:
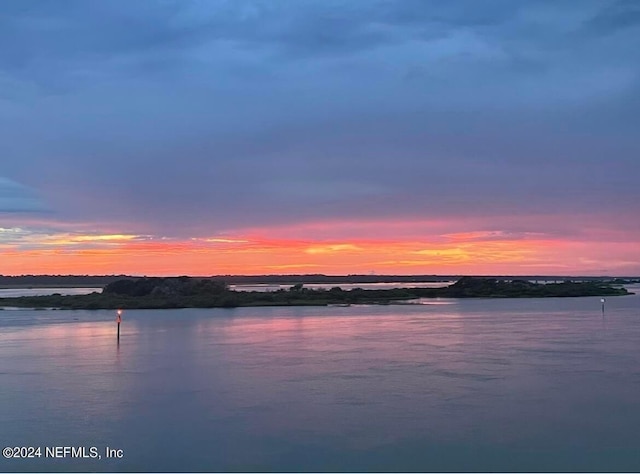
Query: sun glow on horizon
[(470, 252)]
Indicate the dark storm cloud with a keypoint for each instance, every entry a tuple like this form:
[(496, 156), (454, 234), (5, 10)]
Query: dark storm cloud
[(197, 117)]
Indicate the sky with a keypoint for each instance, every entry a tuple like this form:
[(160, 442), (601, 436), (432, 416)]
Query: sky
[(320, 136)]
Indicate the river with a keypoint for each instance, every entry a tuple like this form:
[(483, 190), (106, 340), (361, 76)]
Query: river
[(456, 385)]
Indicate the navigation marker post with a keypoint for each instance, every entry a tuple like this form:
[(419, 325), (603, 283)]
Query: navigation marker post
[(119, 320), (602, 300)]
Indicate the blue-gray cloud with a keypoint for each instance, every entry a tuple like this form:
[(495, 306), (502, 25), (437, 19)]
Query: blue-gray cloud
[(197, 117), (614, 17), (15, 198)]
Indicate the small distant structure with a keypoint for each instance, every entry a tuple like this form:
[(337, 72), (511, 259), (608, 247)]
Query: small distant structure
[(118, 321), (603, 301)]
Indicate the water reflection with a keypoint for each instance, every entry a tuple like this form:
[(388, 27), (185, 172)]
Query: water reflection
[(344, 286), (15, 292), (358, 388)]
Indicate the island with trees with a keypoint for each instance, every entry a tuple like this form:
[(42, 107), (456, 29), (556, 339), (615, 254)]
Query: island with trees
[(188, 292)]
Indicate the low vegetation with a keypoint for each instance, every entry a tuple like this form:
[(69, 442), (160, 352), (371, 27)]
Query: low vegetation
[(185, 292)]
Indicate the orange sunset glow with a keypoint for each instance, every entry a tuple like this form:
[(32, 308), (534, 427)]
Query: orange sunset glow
[(475, 252)]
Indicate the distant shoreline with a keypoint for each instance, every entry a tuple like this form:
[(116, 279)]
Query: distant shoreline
[(185, 292), (95, 281)]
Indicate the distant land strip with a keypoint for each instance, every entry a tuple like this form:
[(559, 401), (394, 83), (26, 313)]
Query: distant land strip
[(188, 292), (95, 281)]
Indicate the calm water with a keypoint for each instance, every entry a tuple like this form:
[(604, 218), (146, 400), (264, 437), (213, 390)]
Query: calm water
[(468, 385), (344, 286), (13, 292)]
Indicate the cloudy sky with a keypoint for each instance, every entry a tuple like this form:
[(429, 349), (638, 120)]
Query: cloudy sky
[(320, 136)]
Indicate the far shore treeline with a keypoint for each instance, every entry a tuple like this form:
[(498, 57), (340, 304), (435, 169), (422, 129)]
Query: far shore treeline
[(188, 292), (95, 281)]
